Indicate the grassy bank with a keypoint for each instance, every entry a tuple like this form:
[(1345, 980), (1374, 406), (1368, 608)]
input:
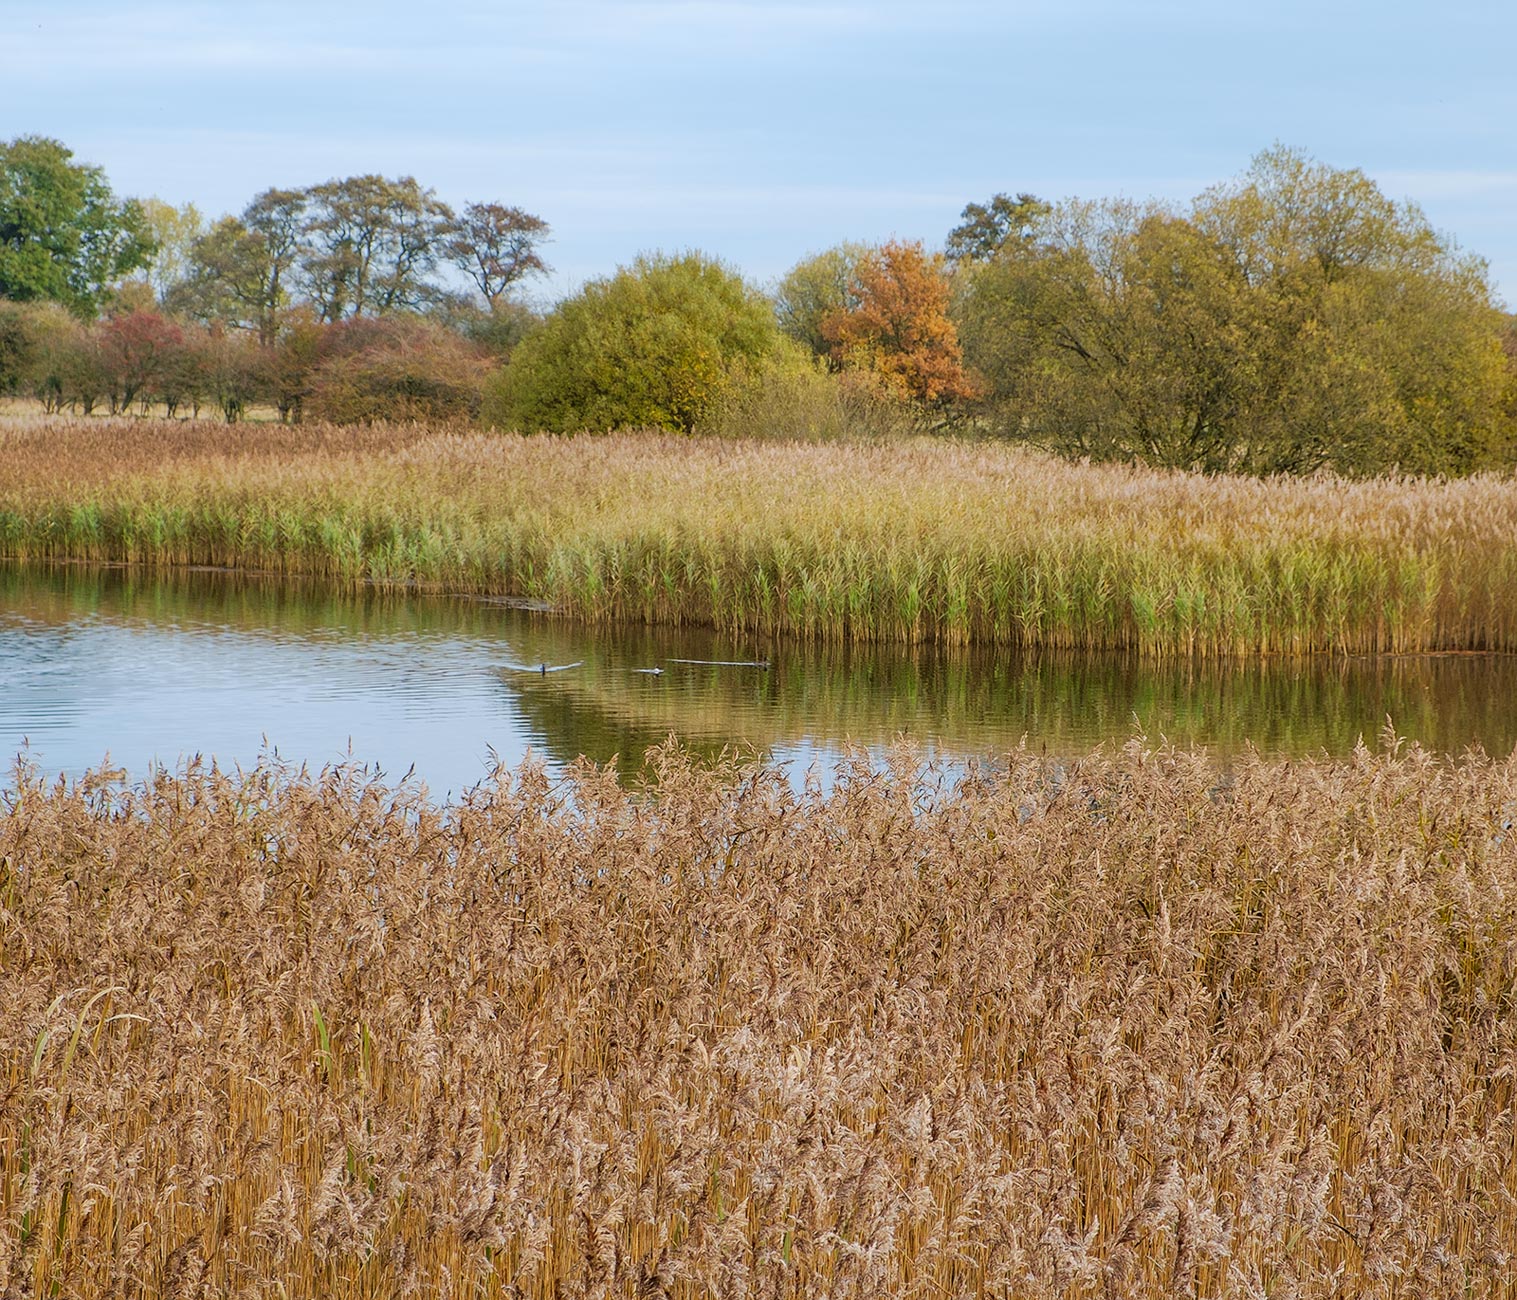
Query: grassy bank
[(1109, 1030), (919, 541)]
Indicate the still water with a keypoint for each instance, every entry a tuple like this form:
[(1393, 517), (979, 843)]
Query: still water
[(98, 662)]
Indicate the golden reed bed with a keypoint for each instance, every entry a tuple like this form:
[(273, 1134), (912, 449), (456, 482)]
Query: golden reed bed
[(912, 541), (1132, 1028)]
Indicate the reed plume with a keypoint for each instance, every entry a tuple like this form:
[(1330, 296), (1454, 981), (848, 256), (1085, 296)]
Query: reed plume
[(916, 541), (1131, 1026)]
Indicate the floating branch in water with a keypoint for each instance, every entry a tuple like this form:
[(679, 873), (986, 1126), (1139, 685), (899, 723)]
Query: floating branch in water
[(724, 663)]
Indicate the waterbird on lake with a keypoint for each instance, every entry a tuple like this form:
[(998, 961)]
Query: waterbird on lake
[(650, 672), (543, 669)]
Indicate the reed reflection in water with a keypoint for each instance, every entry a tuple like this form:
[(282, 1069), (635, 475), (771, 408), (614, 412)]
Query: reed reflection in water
[(154, 668)]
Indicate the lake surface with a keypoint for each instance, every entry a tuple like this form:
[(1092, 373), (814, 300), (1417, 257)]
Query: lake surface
[(151, 670)]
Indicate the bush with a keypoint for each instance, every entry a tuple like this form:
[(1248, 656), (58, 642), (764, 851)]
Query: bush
[(17, 345), (137, 350), (660, 344), (231, 369), (64, 367), (796, 397), (394, 369)]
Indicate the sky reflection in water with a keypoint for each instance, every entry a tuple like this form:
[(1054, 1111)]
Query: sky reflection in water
[(97, 661)]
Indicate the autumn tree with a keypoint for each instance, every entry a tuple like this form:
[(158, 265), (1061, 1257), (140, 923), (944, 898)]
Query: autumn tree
[(292, 362), (371, 244), (64, 236), (180, 383), (135, 351), (898, 330), (242, 268), (657, 345), (1291, 319), (232, 370), (495, 246), (173, 231)]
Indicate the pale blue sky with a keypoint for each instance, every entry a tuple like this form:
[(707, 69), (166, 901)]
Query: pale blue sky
[(763, 131)]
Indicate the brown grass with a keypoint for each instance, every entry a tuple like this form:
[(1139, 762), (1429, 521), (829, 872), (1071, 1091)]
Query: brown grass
[(916, 541), (1128, 1028)]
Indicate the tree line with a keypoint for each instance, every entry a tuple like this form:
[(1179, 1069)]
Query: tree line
[(1291, 319), (329, 300)]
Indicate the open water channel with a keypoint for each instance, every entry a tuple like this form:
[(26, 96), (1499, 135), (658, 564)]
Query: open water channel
[(146, 670)]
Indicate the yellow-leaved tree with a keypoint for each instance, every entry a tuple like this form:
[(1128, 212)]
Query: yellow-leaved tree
[(1291, 319)]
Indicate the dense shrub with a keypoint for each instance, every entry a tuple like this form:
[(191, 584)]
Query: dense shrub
[(795, 396), (231, 370), (138, 350), (16, 346), (62, 366), (394, 369), (660, 344)]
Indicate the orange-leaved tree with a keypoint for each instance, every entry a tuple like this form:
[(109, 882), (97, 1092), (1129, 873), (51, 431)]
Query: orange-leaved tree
[(898, 330)]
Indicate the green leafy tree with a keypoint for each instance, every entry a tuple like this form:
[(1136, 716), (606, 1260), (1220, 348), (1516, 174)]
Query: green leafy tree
[(987, 228), (64, 237), (658, 345), (1509, 350), (1122, 336), (18, 346), (65, 368), (1384, 336), (814, 289)]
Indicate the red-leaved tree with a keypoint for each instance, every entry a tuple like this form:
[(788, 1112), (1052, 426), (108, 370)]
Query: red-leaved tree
[(136, 349)]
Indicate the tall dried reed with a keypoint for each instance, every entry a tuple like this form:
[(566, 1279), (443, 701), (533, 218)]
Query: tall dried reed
[(1126, 1028), (914, 541)]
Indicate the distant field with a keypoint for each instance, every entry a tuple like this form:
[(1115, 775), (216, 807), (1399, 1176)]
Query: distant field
[(917, 541), (1125, 1028)]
